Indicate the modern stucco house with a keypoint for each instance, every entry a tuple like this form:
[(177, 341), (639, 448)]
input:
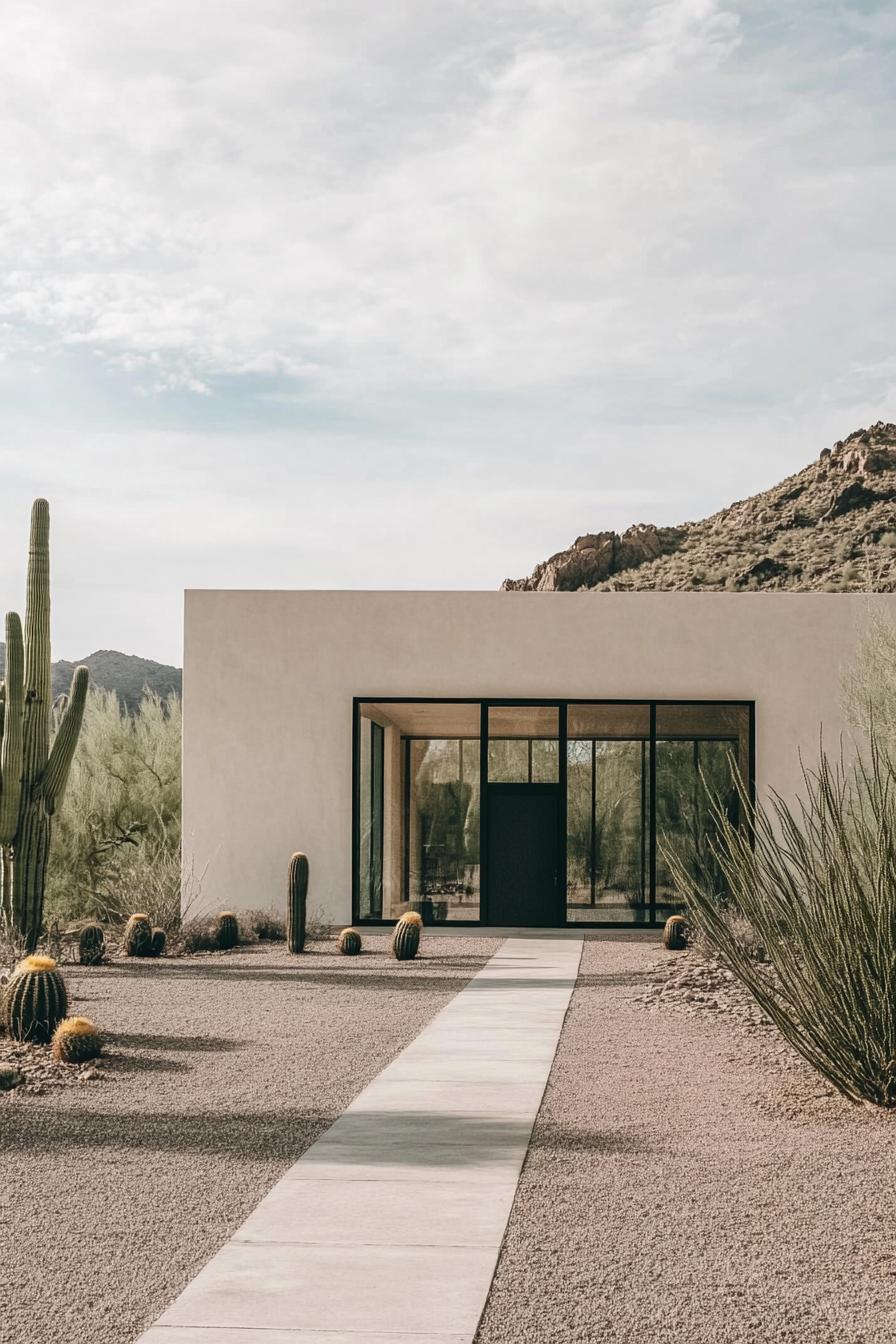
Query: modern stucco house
[(511, 759)]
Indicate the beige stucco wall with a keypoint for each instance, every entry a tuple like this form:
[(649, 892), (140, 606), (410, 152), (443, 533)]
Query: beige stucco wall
[(269, 679)]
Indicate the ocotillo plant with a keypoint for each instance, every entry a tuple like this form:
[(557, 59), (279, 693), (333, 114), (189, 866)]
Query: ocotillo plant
[(32, 776)]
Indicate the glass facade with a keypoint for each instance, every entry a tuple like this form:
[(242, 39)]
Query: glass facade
[(632, 782)]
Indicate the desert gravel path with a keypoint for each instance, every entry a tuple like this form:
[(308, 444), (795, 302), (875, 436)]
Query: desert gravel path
[(387, 1230), (222, 1070), (671, 1196)]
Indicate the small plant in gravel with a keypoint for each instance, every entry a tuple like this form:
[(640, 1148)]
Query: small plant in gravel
[(91, 945), (137, 938), (675, 933), (349, 942), (10, 1077), (267, 925), (196, 935), (228, 930), (296, 902), (75, 1041), (406, 938), (817, 884), (35, 1000)]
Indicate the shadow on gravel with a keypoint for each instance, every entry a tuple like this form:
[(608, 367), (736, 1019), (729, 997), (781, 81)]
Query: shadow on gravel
[(372, 1137), (562, 1138), (203, 1044), (307, 978), (620, 978), (248, 1136), (144, 1064)]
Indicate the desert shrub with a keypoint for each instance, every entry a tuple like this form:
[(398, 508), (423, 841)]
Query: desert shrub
[(196, 935), (267, 925), (869, 686), (818, 889), (117, 837)]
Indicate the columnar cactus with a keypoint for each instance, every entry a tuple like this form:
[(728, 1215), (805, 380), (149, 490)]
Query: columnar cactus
[(137, 938), (349, 942), (157, 942), (228, 930), (75, 1040), (296, 902), (406, 938), (32, 775), (35, 1001), (91, 945), (675, 933)]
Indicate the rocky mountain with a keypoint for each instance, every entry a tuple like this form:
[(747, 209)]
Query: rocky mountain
[(120, 672), (830, 528)]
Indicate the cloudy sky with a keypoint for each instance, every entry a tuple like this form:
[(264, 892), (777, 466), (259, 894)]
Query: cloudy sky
[(313, 293)]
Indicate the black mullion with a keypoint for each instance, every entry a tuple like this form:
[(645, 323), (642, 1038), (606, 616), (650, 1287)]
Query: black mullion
[(562, 781), (483, 812), (593, 821), (653, 812)]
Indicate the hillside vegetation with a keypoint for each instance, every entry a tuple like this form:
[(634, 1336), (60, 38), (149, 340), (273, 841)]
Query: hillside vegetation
[(829, 528)]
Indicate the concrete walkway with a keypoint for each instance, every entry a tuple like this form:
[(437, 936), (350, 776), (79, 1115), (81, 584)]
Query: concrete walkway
[(388, 1229)]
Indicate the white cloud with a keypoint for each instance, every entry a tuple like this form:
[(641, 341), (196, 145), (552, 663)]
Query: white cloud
[(475, 196)]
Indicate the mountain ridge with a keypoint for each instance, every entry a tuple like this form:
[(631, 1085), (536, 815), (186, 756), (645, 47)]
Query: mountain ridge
[(830, 527), (124, 673)]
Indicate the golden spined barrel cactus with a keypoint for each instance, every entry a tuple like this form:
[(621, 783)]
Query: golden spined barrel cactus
[(227, 930), (296, 902), (157, 946), (406, 938), (76, 1040), (35, 1001), (675, 933), (137, 938), (349, 942), (91, 945)]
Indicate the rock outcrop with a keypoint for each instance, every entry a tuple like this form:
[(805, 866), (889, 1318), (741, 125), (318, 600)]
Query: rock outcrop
[(831, 527)]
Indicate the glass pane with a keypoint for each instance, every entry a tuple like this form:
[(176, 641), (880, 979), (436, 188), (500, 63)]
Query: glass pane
[(699, 748), (523, 744), (443, 828), (418, 789), (607, 831), (508, 761), (545, 761), (608, 721), (370, 816)]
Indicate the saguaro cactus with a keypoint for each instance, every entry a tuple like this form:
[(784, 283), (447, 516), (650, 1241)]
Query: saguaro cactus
[(32, 776), (296, 902)]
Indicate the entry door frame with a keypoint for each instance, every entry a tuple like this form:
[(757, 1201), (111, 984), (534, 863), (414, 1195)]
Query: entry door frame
[(558, 792), (484, 910)]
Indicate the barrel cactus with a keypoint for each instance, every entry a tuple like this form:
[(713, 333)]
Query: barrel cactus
[(75, 1040), (91, 945), (349, 942), (675, 933), (296, 902), (157, 945), (33, 775), (406, 938), (228, 930), (35, 1001), (137, 938)]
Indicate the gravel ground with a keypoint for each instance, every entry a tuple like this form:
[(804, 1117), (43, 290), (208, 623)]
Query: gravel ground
[(220, 1071), (690, 1181)]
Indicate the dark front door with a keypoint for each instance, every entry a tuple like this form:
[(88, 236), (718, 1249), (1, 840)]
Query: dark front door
[(523, 850)]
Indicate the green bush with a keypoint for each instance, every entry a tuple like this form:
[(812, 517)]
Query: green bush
[(117, 837), (818, 887)]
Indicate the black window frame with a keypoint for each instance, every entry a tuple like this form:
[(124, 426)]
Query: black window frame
[(562, 705)]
